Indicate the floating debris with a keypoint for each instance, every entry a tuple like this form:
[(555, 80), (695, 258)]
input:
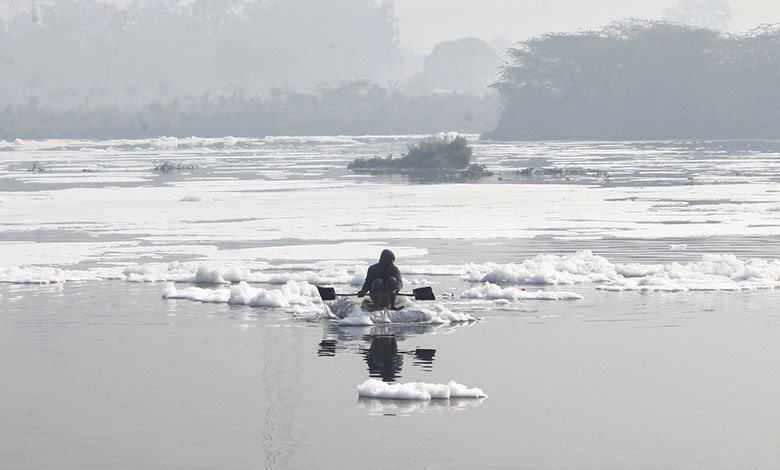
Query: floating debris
[(170, 166), (566, 172), (474, 170)]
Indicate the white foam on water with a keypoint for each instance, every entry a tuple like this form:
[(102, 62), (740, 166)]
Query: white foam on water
[(244, 294), (195, 218), (374, 388), (348, 252), (482, 213), (495, 292), (211, 275), (579, 268), (79, 178), (724, 272), (53, 275), (713, 272), (435, 270), (165, 142), (227, 211), (219, 296), (32, 275), (174, 272), (218, 274), (54, 254), (300, 297)]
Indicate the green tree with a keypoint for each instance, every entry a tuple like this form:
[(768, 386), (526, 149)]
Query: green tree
[(641, 80), (92, 53)]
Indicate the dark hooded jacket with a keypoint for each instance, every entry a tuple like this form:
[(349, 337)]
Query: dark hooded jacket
[(384, 269)]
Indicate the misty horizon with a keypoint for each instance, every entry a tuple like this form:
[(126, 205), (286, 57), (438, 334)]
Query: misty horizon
[(95, 69)]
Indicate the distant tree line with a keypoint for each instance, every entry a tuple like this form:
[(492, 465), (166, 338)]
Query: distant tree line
[(642, 80), (91, 69), (92, 53), (87, 68), (356, 107)]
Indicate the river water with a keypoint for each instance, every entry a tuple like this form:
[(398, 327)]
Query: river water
[(662, 353)]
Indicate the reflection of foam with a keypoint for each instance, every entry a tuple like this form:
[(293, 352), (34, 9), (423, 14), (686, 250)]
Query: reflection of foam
[(356, 332), (350, 313), (384, 406)]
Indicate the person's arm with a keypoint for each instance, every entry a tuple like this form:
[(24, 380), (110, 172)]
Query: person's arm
[(367, 284)]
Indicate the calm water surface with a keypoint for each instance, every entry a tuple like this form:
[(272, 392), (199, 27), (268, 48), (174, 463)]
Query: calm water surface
[(109, 375)]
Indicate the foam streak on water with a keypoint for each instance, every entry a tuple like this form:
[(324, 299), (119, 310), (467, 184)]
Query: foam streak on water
[(244, 200)]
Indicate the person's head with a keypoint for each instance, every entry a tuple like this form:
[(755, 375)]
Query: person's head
[(387, 257)]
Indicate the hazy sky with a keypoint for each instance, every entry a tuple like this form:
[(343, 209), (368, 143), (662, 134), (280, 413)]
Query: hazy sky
[(423, 23)]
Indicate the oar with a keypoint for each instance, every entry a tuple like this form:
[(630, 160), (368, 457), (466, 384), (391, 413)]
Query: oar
[(421, 293)]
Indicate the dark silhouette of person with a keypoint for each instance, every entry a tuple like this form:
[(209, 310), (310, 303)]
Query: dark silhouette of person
[(383, 358), (383, 281)]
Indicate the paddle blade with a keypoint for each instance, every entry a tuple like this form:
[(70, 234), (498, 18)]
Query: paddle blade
[(423, 293), (327, 293)]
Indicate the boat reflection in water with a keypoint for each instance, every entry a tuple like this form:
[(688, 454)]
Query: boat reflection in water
[(383, 357), (379, 347), (424, 358), (385, 361)]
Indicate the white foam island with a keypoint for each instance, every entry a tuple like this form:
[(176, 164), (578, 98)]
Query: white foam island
[(32, 275), (491, 291), (582, 267), (298, 296), (714, 272), (374, 388), (497, 282), (219, 274)]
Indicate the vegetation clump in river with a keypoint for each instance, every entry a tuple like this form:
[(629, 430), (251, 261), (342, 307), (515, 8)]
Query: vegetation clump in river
[(433, 155)]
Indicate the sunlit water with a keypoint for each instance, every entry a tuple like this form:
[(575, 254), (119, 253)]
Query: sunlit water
[(99, 372)]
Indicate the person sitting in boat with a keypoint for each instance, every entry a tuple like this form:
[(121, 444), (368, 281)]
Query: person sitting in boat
[(383, 281)]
